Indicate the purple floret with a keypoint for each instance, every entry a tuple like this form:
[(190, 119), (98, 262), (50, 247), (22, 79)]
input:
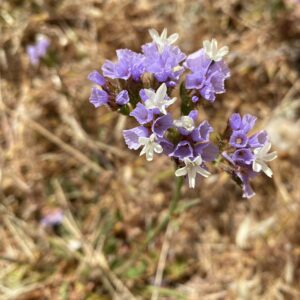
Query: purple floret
[(38, 50), (238, 139), (207, 76), (122, 98), (162, 124), (245, 124), (96, 78), (243, 156), (202, 132), (132, 136), (258, 139), (183, 149), (129, 64), (142, 114), (162, 64), (98, 97)]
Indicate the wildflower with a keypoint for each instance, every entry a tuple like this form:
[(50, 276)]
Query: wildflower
[(238, 139), (245, 124), (122, 98), (261, 155), (96, 78), (191, 169), (207, 77), (53, 218), (165, 65), (163, 40), (132, 136), (38, 50), (158, 99), (186, 123), (150, 146), (98, 97), (162, 124), (212, 51), (129, 64), (142, 114)]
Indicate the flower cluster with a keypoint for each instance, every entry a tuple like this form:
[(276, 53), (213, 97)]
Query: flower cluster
[(140, 86), (38, 50)]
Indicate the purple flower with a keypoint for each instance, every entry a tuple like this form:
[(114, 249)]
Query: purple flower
[(258, 139), (142, 114), (132, 136), (244, 156), (207, 76), (38, 50), (129, 64), (167, 146), (98, 97), (244, 175), (122, 98), (186, 124), (245, 124), (238, 139), (183, 149), (195, 99), (208, 151), (164, 65), (201, 133), (52, 219), (162, 124), (97, 78)]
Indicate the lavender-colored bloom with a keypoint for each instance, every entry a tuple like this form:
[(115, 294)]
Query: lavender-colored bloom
[(97, 78), (186, 124), (258, 139), (162, 124), (142, 114), (129, 64), (98, 97), (201, 133), (195, 99), (244, 175), (245, 124), (183, 149), (243, 156), (38, 50), (238, 139), (167, 146), (164, 65), (132, 136), (208, 151), (52, 219), (122, 98), (207, 76)]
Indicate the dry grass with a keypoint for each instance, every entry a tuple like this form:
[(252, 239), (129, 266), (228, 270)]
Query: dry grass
[(59, 152)]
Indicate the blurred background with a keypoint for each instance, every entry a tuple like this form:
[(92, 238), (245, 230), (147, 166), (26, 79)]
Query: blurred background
[(76, 204)]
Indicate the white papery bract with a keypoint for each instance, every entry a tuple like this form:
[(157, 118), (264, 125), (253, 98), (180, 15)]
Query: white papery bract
[(212, 51), (158, 99), (162, 40), (185, 122), (150, 146), (261, 155), (191, 169)]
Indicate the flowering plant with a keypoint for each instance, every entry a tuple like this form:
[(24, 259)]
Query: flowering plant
[(140, 85)]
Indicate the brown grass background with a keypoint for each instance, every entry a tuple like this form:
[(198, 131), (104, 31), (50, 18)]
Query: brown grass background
[(58, 152)]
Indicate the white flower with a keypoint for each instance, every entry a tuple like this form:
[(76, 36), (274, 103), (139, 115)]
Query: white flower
[(185, 122), (150, 146), (163, 40), (261, 156), (191, 169), (157, 99), (211, 50)]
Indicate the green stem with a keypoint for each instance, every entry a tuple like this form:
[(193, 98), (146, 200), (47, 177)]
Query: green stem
[(160, 227), (172, 207)]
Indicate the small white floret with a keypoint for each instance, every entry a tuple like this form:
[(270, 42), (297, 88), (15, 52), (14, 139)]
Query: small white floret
[(191, 169), (162, 40), (185, 122), (212, 51), (157, 99), (150, 146), (261, 155)]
